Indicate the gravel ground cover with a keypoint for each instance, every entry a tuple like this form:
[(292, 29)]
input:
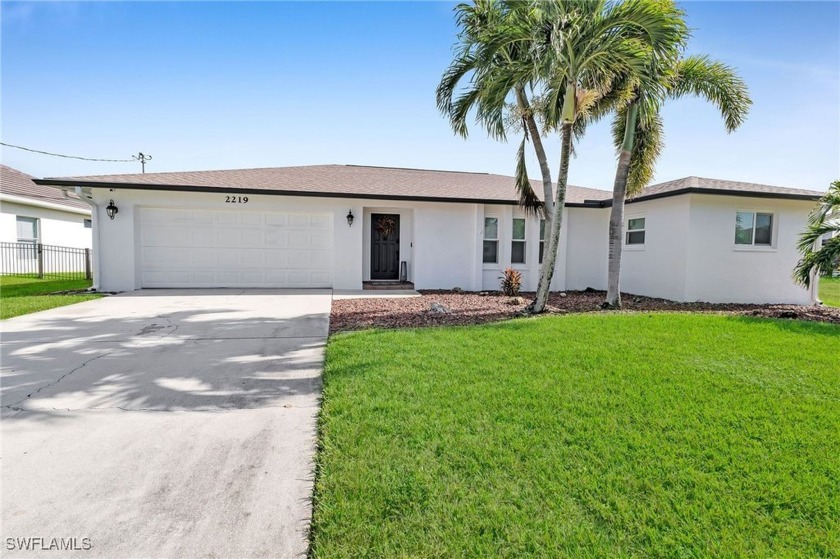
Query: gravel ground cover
[(446, 308)]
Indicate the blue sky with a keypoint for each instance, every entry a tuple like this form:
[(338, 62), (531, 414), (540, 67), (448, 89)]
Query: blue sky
[(234, 85)]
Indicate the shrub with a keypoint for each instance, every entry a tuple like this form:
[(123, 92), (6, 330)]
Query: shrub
[(511, 282)]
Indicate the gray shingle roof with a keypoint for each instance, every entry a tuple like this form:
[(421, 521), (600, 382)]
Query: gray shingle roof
[(349, 180), (358, 181), (700, 184), (16, 183)]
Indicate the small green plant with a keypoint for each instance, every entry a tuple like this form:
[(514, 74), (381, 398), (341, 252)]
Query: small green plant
[(511, 282)]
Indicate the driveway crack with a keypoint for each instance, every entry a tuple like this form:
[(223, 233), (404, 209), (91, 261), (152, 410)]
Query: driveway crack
[(56, 381)]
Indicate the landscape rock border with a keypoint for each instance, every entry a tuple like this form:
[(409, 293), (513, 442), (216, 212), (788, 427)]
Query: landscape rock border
[(479, 308)]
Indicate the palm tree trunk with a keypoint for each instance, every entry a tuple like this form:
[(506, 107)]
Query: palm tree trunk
[(616, 232), (539, 150), (545, 171), (550, 254)]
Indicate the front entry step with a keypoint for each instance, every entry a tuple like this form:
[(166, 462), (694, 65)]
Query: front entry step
[(385, 284)]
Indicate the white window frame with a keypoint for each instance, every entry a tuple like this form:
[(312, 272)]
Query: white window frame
[(523, 240), (634, 246), (37, 226), (541, 244), (751, 247), (485, 238)]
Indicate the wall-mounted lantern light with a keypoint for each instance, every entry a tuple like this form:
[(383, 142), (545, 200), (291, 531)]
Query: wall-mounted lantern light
[(350, 218), (111, 209)]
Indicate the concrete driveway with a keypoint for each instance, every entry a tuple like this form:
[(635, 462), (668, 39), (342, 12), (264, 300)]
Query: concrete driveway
[(163, 423)]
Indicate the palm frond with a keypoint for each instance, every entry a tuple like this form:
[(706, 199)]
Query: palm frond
[(717, 83), (528, 198), (824, 220)]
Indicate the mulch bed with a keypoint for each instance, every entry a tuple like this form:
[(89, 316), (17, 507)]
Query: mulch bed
[(475, 308)]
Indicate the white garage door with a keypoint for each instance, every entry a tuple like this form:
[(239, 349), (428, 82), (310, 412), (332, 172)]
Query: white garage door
[(205, 248)]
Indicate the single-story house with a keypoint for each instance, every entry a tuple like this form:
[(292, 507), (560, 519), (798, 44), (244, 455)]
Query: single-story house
[(340, 226), (32, 213)]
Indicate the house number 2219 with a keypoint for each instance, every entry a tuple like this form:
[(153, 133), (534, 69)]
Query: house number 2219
[(236, 199)]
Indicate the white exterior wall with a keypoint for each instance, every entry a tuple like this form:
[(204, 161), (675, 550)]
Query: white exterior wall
[(530, 270), (57, 227), (445, 246), (689, 252), (427, 231), (719, 271), (658, 267), (587, 248)]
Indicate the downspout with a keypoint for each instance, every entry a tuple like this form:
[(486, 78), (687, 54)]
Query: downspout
[(94, 216)]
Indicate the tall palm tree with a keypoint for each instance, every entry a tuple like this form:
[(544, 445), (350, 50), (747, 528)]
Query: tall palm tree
[(824, 221), (494, 57), (573, 52), (589, 50), (637, 133)]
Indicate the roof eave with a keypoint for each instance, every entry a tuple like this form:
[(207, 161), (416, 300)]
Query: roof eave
[(717, 192), (65, 183)]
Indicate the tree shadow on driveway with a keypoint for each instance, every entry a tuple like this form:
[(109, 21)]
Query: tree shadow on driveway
[(165, 352)]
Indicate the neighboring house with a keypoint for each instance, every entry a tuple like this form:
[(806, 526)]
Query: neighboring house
[(32, 213), (688, 240)]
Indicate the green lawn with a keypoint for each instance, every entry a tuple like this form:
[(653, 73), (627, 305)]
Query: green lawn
[(604, 435), (24, 295), (830, 291)]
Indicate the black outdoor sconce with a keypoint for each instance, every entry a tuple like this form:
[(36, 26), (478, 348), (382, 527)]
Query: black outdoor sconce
[(111, 209), (350, 218)]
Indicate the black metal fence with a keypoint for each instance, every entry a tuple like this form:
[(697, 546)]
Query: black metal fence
[(44, 261)]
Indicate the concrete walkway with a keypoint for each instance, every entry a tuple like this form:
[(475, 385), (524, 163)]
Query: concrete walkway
[(163, 423)]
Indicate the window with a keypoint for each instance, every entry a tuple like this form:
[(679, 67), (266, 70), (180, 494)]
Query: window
[(517, 246), (635, 231), (754, 228), (27, 229), (491, 240), (542, 239), (88, 224)]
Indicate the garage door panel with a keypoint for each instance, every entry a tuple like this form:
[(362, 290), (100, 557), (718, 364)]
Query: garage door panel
[(208, 248), (227, 257), (201, 236), (228, 218), (251, 258), (298, 220), (321, 241), (321, 259), (165, 235), (199, 217), (203, 257), (277, 238), (321, 221), (166, 256), (253, 219), (276, 258), (252, 238)]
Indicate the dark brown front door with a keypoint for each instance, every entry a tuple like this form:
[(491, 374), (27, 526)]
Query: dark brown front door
[(384, 246)]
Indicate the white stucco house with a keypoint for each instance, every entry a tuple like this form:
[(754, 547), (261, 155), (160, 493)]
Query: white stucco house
[(32, 213), (340, 226)]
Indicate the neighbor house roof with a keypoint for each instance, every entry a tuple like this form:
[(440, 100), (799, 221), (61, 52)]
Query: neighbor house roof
[(700, 185), (16, 184), (350, 181), (389, 183)]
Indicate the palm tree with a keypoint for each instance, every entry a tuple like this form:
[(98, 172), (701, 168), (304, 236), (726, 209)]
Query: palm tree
[(637, 132), (494, 56), (823, 222), (590, 48), (573, 52)]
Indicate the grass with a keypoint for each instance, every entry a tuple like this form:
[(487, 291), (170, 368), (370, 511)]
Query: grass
[(23, 295), (610, 435), (830, 291)]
